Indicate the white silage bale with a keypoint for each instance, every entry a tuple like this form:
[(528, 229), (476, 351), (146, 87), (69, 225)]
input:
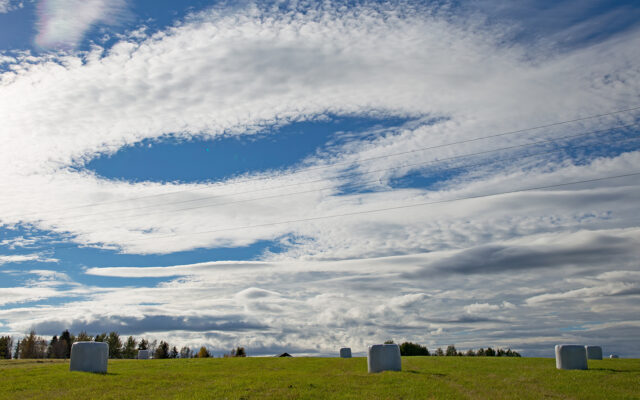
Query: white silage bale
[(594, 352), (345, 352), (384, 357), (89, 357), (571, 356), (144, 354)]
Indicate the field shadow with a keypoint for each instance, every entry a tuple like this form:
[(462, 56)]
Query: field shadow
[(614, 370)]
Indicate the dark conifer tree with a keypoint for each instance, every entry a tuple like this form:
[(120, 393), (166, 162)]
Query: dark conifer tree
[(66, 340), (143, 345), (5, 347), (162, 351)]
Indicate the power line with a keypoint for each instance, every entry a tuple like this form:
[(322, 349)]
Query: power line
[(340, 176), (378, 210), (404, 206), (355, 185), (261, 178)]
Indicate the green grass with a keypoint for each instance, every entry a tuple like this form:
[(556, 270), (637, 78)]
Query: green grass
[(292, 378)]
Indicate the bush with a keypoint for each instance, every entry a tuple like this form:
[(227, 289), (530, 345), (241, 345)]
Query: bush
[(413, 349)]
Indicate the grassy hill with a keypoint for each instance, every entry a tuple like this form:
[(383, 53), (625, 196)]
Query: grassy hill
[(292, 378)]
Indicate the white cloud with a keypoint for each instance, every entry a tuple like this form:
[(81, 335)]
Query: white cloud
[(317, 304), (234, 71), (63, 23), (10, 5), (199, 79), (476, 308), (18, 258)]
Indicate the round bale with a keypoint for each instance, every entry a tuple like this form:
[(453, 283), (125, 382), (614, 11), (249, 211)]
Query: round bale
[(144, 354), (345, 352), (571, 356), (594, 352), (89, 357), (384, 357)]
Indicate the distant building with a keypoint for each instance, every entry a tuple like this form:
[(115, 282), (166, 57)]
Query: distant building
[(284, 355)]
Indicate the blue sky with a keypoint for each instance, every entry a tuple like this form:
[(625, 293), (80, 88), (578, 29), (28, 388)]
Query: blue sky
[(152, 153)]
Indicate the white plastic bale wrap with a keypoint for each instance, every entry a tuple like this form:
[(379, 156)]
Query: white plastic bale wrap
[(594, 352), (144, 354), (384, 357), (89, 357), (571, 356), (613, 356), (345, 352)]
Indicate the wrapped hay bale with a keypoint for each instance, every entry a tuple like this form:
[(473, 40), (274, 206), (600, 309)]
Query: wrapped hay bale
[(89, 357), (571, 356), (384, 357), (144, 354), (345, 352), (594, 352)]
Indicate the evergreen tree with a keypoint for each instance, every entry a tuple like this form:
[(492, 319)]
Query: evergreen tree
[(388, 341), (5, 347), (16, 353), (470, 353), (84, 337), (162, 351), (51, 349), (489, 352), (174, 352), (129, 350), (100, 338), (480, 352), (115, 345), (439, 352), (57, 348), (451, 350), (512, 353), (66, 340), (143, 345)]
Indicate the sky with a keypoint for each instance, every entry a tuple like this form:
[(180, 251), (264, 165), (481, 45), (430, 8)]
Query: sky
[(304, 176)]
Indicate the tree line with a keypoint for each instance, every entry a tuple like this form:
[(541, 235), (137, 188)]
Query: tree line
[(34, 346), (414, 349)]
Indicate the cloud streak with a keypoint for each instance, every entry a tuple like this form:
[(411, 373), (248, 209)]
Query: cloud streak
[(62, 24)]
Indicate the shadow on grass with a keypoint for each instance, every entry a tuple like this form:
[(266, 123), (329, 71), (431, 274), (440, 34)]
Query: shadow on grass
[(614, 370), (96, 373)]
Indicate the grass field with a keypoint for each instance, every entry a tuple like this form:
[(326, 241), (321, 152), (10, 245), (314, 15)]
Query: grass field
[(292, 378)]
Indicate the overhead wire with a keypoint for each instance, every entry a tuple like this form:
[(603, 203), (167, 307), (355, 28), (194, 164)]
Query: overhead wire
[(371, 211), (334, 187), (333, 165), (324, 179)]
